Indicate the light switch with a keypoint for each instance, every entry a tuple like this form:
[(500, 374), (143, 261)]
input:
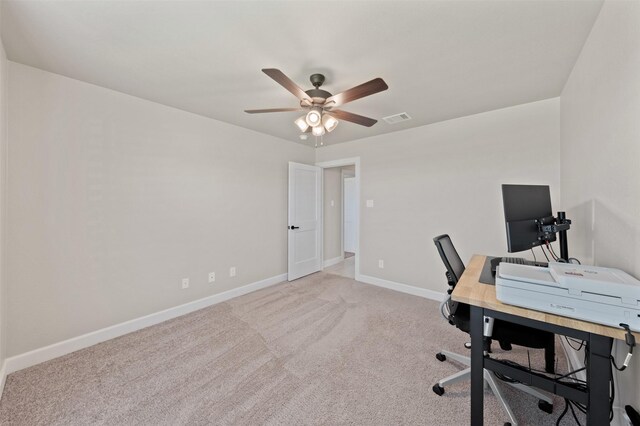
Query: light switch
[(369, 203), (332, 203)]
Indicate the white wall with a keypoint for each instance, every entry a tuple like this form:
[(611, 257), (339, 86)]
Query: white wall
[(332, 215), (3, 170), (600, 155), (112, 200), (445, 178)]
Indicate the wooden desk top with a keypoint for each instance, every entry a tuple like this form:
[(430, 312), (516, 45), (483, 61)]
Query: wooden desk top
[(470, 291)]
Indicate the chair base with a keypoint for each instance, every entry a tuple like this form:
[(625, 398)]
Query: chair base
[(545, 402)]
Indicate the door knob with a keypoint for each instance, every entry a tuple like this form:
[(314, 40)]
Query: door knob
[(294, 227)]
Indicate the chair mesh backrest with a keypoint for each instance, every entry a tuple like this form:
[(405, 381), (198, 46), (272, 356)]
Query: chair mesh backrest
[(449, 256), (459, 313)]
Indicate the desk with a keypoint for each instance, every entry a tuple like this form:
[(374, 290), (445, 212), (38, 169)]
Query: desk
[(482, 299)]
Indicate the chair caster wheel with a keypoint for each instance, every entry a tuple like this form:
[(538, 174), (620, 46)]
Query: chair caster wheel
[(440, 357), (439, 390), (545, 406), (507, 424)]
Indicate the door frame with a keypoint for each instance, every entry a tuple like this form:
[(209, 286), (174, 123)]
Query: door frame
[(343, 176), (352, 161)]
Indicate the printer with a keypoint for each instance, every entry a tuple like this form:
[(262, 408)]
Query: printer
[(601, 295)]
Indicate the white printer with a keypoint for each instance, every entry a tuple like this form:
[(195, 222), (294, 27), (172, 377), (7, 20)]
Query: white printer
[(601, 295)]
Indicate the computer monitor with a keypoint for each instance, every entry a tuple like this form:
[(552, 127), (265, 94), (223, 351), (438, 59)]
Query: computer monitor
[(525, 207)]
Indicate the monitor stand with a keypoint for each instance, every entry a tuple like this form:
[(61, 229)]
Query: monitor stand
[(564, 249)]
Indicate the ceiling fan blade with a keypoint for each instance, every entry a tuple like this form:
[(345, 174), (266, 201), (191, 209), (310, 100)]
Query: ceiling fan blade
[(354, 118), (365, 89), (287, 83), (259, 111)]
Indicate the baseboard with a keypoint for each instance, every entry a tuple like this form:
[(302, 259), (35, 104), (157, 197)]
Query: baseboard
[(3, 376), (619, 417), (333, 261), (65, 347), (403, 288)]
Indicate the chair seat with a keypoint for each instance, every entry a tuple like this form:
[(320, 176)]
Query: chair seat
[(516, 334), (508, 332)]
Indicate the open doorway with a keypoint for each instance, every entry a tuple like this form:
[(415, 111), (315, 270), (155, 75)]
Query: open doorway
[(340, 209), (349, 211)]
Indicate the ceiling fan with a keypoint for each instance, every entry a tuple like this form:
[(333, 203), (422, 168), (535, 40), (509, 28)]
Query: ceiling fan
[(322, 115)]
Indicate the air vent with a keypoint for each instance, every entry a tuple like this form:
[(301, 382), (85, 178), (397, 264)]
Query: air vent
[(397, 118)]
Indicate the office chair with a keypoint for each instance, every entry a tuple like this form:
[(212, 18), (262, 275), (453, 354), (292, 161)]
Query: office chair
[(506, 333)]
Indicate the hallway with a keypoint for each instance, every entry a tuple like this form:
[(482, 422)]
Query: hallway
[(346, 268)]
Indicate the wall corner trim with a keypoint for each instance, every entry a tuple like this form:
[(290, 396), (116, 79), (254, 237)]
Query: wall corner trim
[(37, 356), (403, 288)]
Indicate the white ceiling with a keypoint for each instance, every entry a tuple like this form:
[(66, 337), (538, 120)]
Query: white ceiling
[(441, 59)]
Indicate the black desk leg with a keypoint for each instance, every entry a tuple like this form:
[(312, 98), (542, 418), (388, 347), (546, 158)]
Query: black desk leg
[(598, 377), (477, 366)]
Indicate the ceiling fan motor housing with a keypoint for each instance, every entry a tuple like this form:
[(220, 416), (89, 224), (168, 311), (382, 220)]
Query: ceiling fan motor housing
[(317, 80), (318, 95)]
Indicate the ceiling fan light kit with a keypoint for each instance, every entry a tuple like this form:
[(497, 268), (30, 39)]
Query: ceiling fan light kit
[(319, 102), (329, 122), (301, 122), (314, 116), (318, 131)]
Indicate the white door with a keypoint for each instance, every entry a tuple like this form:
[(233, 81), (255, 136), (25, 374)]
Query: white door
[(350, 215), (305, 220)]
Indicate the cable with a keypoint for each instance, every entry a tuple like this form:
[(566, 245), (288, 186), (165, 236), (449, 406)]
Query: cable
[(566, 407), (582, 343), (612, 391), (580, 407), (545, 254), (564, 379), (570, 373), (505, 378), (568, 404), (571, 404), (551, 252), (630, 340), (550, 247), (534, 255), (558, 259)]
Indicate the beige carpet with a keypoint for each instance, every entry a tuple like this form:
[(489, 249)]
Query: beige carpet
[(322, 350)]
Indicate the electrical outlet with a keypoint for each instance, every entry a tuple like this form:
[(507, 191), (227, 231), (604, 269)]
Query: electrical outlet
[(369, 203), (232, 271), (185, 283), (212, 277), (381, 264)]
